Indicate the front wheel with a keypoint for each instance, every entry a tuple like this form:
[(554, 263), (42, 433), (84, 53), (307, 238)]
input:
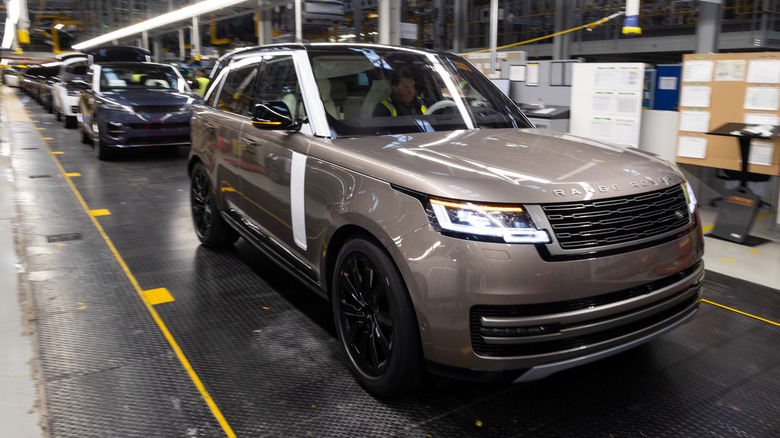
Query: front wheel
[(211, 229), (375, 320)]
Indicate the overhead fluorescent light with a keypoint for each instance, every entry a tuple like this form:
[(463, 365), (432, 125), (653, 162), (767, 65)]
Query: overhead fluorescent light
[(159, 21), (59, 26)]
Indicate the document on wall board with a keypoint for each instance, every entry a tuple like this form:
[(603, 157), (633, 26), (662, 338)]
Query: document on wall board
[(603, 102), (698, 71), (695, 121), (730, 70), (764, 71), (625, 131), (762, 119), (629, 80), (762, 98), (532, 75), (601, 127), (517, 73), (667, 83), (696, 96), (761, 153), (627, 104), (692, 147)]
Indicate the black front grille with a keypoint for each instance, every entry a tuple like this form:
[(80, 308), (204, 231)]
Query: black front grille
[(159, 125), (160, 140), (158, 108), (603, 222)]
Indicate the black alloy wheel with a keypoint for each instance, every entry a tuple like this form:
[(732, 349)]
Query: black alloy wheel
[(211, 229), (375, 320)]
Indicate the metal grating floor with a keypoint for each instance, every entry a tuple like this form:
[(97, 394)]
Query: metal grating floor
[(263, 348)]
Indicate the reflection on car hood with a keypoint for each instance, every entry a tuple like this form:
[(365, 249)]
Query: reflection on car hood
[(504, 165), (144, 97)]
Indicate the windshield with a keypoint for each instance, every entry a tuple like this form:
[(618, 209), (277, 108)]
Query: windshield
[(374, 91), (143, 76)]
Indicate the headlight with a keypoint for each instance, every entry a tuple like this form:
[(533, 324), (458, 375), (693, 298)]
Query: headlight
[(690, 198), (510, 224)]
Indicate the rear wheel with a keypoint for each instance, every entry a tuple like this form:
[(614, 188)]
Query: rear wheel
[(70, 121), (209, 225), (375, 320)]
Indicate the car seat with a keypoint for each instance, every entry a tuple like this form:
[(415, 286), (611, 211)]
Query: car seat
[(379, 91)]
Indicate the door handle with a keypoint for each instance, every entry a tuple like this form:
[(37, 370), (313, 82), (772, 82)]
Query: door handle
[(208, 126), (249, 142)]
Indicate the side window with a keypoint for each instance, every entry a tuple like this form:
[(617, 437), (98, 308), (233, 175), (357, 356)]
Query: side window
[(279, 81), (237, 94)]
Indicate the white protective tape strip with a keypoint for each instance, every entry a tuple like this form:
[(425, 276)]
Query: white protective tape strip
[(297, 199)]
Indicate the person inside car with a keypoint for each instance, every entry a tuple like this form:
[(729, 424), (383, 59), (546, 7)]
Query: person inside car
[(403, 99)]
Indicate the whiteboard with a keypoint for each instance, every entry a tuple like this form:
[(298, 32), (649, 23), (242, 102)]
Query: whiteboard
[(606, 101)]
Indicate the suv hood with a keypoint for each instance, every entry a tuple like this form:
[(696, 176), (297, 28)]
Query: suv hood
[(145, 97), (505, 165)]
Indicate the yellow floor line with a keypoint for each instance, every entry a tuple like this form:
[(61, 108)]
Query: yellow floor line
[(141, 293), (742, 313)]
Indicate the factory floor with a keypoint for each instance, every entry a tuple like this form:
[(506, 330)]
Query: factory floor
[(115, 322)]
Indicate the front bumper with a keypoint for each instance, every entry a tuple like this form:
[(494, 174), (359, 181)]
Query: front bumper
[(130, 130), (488, 307)]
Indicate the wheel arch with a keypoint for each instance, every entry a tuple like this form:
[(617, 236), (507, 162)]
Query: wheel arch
[(351, 230)]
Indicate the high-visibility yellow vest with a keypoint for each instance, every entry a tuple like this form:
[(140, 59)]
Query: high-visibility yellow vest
[(393, 112), (202, 84)]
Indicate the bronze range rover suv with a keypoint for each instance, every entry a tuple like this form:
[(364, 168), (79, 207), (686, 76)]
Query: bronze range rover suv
[(446, 231)]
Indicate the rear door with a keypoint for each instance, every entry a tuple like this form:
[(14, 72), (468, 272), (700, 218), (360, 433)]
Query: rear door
[(216, 128)]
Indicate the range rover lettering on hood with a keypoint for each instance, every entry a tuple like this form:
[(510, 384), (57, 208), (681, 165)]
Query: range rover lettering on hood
[(587, 188)]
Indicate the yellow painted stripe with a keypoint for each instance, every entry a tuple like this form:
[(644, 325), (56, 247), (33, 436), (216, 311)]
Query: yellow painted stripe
[(41, 129), (741, 313), (48, 138), (150, 308), (158, 296), (57, 152), (72, 174), (728, 260), (100, 212), (707, 228)]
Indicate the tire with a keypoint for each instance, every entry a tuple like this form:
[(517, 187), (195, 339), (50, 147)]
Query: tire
[(85, 138), (375, 320), (57, 113), (70, 121), (211, 229)]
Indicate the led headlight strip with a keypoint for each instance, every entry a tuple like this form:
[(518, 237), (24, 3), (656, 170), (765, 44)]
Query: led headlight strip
[(512, 224)]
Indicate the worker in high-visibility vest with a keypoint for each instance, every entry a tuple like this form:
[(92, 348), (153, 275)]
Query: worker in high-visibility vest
[(202, 80), (403, 100)]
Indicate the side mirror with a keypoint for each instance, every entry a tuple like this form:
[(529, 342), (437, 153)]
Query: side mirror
[(274, 115)]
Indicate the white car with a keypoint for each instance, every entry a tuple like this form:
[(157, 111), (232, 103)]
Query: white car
[(65, 97), (11, 78)]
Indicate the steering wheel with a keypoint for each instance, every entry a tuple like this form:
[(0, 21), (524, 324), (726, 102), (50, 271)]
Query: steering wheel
[(440, 105)]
